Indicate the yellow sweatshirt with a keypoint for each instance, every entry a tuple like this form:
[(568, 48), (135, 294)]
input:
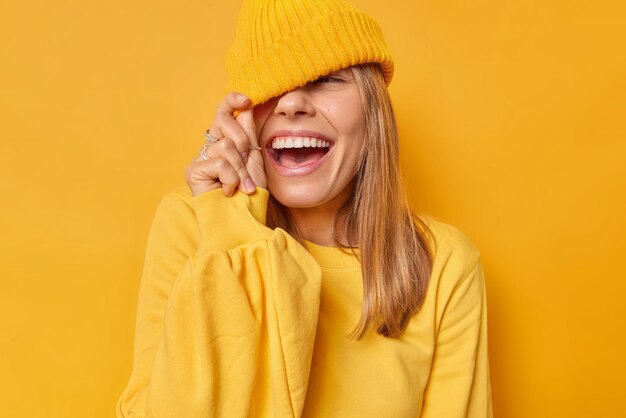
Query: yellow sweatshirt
[(237, 320)]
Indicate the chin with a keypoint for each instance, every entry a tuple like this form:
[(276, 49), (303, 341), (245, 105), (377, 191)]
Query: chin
[(298, 195)]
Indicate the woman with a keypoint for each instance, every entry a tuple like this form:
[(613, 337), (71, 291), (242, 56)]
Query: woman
[(291, 278)]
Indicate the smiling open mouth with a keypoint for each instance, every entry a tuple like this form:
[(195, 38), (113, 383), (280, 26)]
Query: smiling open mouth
[(296, 152)]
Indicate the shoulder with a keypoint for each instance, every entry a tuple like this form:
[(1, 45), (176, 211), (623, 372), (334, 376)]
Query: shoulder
[(174, 223), (449, 241), (179, 196), (455, 256), (175, 206)]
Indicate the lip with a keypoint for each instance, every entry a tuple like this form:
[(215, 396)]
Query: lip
[(302, 170)]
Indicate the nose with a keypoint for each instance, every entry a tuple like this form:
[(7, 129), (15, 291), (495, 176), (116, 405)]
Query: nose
[(294, 104)]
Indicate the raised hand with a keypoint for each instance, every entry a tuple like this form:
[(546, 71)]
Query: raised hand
[(234, 160)]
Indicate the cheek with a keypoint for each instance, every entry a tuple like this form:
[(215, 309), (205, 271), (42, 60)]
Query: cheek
[(347, 114), (353, 130), (354, 140), (261, 113)]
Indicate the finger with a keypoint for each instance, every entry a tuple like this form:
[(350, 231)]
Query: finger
[(221, 169), (216, 131), (233, 101), (226, 149), (201, 176), (229, 128), (246, 120)]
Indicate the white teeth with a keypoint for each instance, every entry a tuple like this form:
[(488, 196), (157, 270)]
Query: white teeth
[(299, 142)]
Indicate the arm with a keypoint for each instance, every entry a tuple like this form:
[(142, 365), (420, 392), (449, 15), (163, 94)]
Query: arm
[(459, 384), (238, 324), (173, 239)]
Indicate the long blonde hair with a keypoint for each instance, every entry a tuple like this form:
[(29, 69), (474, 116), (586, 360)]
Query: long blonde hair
[(395, 256)]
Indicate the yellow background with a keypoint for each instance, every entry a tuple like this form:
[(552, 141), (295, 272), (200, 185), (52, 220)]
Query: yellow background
[(512, 116)]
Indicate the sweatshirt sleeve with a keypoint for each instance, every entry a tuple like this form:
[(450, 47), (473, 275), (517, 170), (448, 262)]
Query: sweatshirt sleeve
[(231, 333), (459, 384)]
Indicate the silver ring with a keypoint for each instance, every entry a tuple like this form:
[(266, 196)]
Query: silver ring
[(210, 137), (203, 153)]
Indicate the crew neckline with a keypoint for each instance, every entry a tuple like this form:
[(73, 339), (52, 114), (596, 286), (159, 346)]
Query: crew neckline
[(334, 257)]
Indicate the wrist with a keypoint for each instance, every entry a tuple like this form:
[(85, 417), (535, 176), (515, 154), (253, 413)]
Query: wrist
[(227, 222)]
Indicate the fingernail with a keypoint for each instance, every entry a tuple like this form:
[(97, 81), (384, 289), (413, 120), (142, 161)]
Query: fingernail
[(242, 98), (250, 186), (244, 157)]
